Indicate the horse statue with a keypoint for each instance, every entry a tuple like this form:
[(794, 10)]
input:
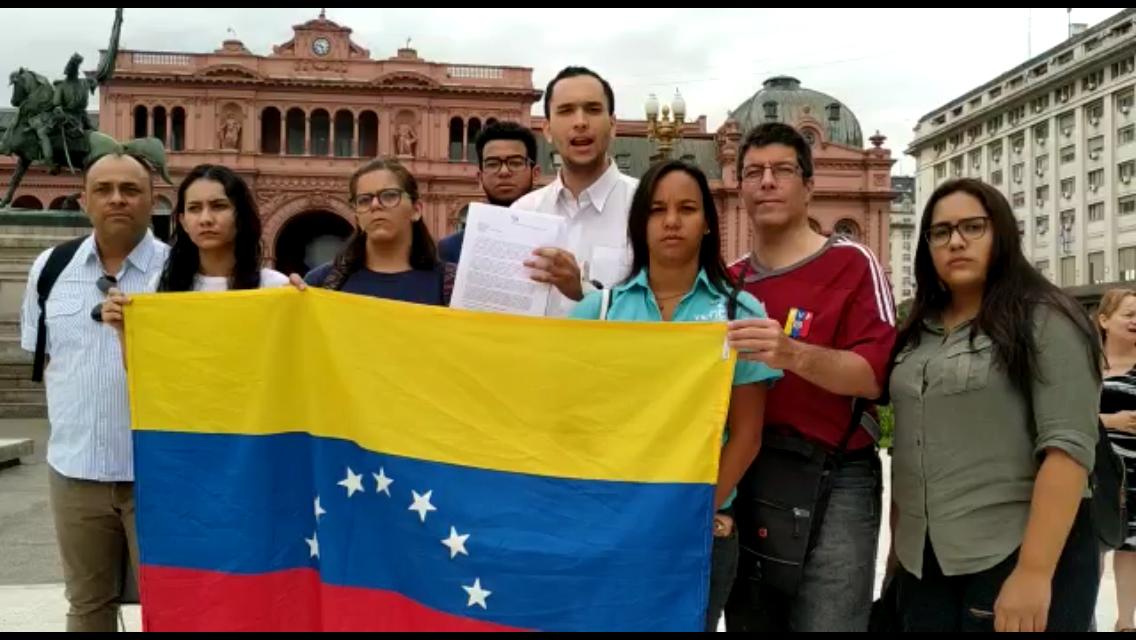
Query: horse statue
[(51, 126)]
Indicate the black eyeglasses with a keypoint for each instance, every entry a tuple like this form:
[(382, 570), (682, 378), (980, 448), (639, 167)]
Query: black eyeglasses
[(782, 172), (388, 199), (105, 284), (514, 164), (939, 235)]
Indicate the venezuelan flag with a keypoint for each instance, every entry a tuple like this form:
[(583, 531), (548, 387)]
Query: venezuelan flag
[(319, 461), (798, 323)]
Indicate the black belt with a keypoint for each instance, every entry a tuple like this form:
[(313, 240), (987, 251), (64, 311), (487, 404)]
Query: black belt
[(782, 432), (867, 454)]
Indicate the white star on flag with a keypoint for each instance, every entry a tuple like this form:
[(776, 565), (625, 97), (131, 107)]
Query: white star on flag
[(456, 543), (422, 504), (353, 482), (477, 595), (383, 481), (313, 545), (319, 509)]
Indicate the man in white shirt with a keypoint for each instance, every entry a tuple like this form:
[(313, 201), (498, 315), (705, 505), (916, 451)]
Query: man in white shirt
[(589, 191), (89, 450)]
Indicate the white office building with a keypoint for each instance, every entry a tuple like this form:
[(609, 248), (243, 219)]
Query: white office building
[(1057, 135)]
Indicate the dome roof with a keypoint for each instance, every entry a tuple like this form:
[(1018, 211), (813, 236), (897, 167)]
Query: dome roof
[(783, 99)]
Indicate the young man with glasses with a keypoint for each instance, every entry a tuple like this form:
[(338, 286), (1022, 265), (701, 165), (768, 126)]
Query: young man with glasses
[(831, 328), (89, 450), (506, 153)]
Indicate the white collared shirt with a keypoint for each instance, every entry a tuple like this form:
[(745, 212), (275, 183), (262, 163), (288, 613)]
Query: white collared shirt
[(597, 228), (87, 403)]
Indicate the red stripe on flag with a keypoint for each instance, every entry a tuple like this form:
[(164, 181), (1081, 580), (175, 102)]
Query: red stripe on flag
[(805, 324), (293, 600)]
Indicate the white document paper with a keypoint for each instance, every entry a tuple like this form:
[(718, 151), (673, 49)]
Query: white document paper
[(491, 274)]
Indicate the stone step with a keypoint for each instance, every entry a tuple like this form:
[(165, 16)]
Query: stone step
[(37, 244), (21, 250), (42, 232), (20, 378), (21, 254), (12, 353), (16, 270), (22, 396), (12, 449), (22, 410), (15, 371)]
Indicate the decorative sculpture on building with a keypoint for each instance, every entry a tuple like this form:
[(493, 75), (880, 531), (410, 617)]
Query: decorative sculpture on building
[(231, 133), (406, 141)]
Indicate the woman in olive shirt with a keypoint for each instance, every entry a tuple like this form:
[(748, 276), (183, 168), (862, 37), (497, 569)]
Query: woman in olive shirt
[(995, 388)]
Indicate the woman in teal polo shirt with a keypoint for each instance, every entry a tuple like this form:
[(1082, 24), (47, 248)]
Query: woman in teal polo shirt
[(678, 275)]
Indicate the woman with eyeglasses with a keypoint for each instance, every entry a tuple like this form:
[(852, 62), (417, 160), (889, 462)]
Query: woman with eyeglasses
[(995, 388), (390, 254)]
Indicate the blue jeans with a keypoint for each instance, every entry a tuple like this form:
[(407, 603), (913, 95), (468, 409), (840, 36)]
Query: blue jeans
[(723, 571), (839, 574), (939, 603)]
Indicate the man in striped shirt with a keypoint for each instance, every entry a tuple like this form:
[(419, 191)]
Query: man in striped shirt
[(831, 328), (89, 449)]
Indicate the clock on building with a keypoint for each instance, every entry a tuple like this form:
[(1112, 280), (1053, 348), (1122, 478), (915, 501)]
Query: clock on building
[(321, 47)]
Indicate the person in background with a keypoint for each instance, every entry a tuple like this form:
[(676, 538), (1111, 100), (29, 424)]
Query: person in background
[(1117, 318), (507, 170)]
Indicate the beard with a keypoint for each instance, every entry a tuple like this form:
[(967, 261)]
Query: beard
[(503, 202)]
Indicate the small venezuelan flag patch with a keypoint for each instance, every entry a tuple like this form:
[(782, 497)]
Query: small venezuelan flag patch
[(798, 323)]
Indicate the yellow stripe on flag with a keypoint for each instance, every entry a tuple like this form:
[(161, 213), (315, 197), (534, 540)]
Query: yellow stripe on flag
[(790, 321), (562, 398)]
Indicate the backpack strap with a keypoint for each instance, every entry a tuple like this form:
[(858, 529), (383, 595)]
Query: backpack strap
[(732, 304), (859, 406), (57, 261)]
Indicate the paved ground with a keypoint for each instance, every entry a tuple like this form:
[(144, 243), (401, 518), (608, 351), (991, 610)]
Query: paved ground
[(31, 590), (31, 593), (27, 539)]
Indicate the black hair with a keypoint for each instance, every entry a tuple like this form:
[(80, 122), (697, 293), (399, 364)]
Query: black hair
[(770, 133), (184, 260), (573, 72)]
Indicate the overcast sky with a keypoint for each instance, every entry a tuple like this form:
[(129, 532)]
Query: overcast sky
[(890, 66)]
